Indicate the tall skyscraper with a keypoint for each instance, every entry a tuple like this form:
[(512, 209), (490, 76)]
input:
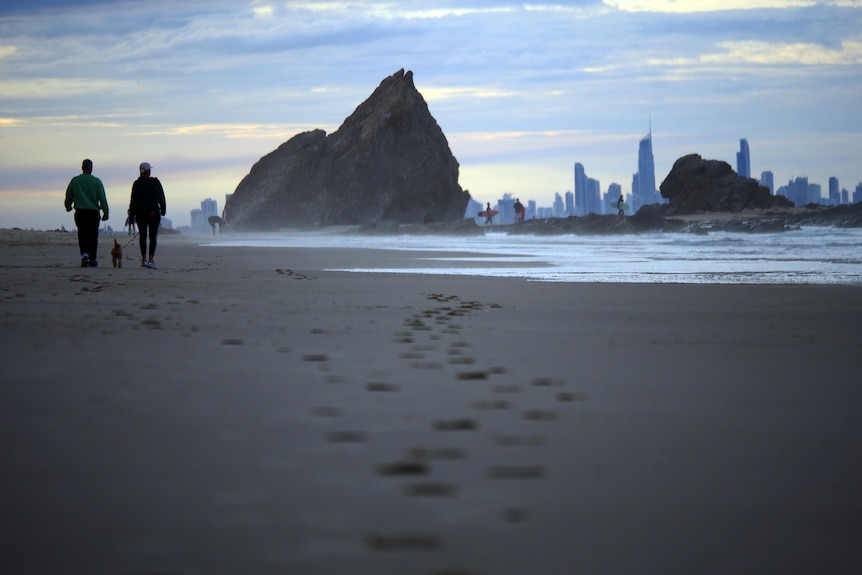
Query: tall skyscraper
[(593, 196), (643, 183), (766, 179), (580, 190), (743, 159)]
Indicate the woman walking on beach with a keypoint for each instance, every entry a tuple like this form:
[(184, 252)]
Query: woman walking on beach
[(148, 205)]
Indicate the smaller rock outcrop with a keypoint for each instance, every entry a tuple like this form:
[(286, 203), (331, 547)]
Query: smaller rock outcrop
[(695, 185)]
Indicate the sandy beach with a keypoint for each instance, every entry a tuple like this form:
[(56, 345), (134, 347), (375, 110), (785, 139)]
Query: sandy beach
[(244, 411)]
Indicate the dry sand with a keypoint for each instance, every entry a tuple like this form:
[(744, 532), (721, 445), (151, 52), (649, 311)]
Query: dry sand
[(241, 411)]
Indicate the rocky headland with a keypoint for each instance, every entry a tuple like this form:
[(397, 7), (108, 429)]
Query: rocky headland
[(389, 161)]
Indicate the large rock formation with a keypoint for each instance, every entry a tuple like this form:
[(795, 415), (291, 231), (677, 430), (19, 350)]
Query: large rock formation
[(697, 185), (388, 162)]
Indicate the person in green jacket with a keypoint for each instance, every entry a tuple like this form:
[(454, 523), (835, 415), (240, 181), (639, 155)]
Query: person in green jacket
[(87, 194)]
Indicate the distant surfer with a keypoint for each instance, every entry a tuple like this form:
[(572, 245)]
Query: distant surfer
[(519, 211), (620, 206), (489, 217)]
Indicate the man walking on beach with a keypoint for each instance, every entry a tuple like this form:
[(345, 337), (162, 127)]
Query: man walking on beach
[(148, 206), (87, 194)]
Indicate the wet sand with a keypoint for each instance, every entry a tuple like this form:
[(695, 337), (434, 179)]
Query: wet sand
[(241, 410)]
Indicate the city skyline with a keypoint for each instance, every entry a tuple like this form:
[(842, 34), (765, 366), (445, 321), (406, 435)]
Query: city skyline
[(589, 198), (204, 89)]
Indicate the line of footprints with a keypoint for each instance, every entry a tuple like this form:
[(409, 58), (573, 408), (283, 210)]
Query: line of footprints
[(423, 334)]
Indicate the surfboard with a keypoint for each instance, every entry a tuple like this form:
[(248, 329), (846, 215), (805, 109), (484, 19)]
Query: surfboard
[(488, 213), (615, 206)]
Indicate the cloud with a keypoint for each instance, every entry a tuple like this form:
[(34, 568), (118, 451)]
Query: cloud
[(849, 54), (688, 6)]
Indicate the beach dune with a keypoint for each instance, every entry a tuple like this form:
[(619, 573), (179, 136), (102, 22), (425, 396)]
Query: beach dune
[(243, 410)]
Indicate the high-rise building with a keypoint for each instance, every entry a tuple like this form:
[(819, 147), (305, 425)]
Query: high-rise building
[(209, 207), (743, 159), (834, 192), (767, 180), (611, 196), (570, 204), (580, 190), (587, 193), (594, 192), (845, 196), (643, 182), (815, 194), (796, 191), (473, 208), (857, 193), (200, 218), (559, 208), (506, 207)]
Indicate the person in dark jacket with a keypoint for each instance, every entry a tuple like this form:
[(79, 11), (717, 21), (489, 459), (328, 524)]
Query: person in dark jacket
[(148, 206)]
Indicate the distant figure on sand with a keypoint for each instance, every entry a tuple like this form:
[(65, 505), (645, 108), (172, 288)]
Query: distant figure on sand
[(620, 203), (148, 205), (87, 194), (489, 219), (519, 211), (130, 222), (216, 221)]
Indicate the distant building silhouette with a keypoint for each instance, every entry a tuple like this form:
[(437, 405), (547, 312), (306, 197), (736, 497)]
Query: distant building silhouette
[(857, 194), (570, 204), (587, 194), (473, 209), (767, 180), (743, 159), (200, 218), (815, 194), (834, 192), (559, 207), (796, 191), (580, 190), (594, 192)]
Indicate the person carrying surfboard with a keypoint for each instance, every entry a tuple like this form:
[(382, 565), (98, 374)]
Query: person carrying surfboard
[(519, 211), (620, 205), (489, 218)]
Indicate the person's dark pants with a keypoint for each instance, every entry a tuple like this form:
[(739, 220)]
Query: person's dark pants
[(148, 226), (87, 222)]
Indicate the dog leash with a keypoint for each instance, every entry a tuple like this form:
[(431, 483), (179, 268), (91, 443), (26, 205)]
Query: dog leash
[(131, 240)]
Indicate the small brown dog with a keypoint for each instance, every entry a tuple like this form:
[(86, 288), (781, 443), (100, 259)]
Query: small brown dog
[(117, 255)]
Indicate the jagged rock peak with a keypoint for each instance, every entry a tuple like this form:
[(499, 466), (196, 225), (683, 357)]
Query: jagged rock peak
[(388, 161)]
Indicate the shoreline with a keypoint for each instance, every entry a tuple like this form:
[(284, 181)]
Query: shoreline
[(248, 411)]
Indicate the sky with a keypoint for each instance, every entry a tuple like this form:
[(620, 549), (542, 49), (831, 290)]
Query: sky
[(522, 91)]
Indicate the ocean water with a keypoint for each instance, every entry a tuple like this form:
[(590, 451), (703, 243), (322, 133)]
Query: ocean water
[(814, 255)]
